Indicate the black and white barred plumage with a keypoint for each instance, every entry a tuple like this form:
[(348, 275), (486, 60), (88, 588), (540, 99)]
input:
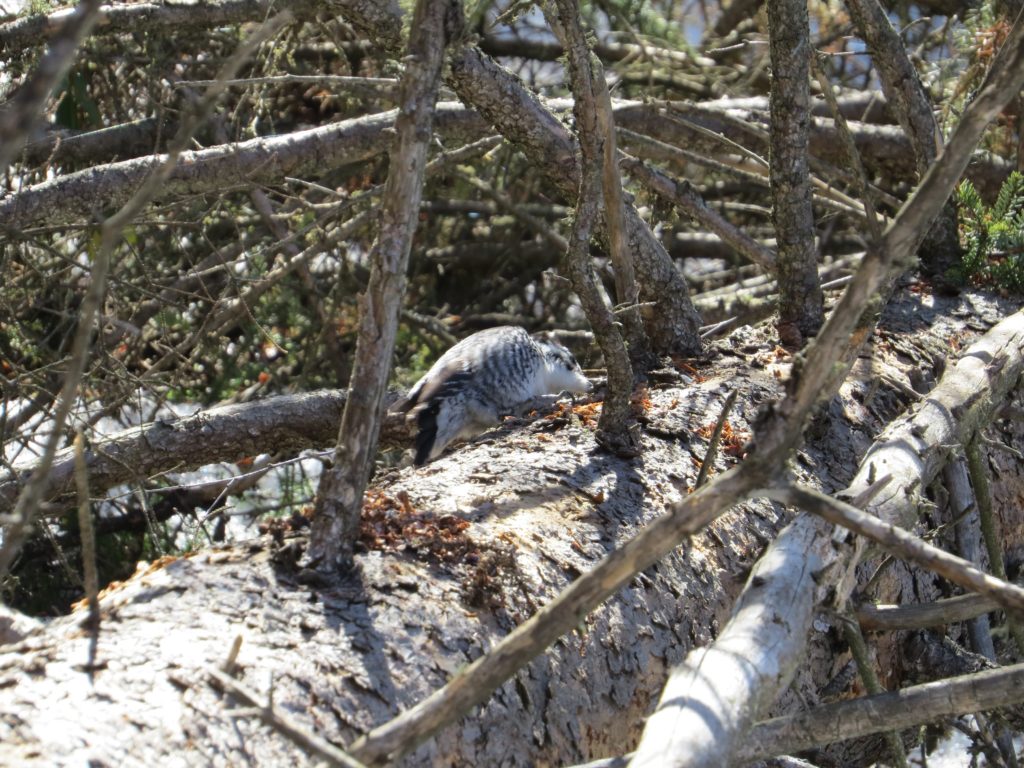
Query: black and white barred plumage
[(483, 377)]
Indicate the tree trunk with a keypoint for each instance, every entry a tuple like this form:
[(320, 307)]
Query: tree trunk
[(452, 557), (801, 309)]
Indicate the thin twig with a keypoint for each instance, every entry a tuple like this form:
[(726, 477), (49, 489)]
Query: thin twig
[(859, 651), (371, 84), (711, 330), (88, 536), (989, 529), (850, 147), (297, 734), (901, 543), (683, 195), (228, 667), (716, 436)]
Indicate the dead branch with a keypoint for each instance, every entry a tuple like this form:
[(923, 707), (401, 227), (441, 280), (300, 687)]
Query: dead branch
[(989, 526), (902, 544), (951, 610), (117, 18), (287, 423), (742, 670), (873, 714), (263, 160), (339, 499), (900, 80), (280, 722), (866, 672), (522, 118), (23, 111), (906, 94), (682, 194)]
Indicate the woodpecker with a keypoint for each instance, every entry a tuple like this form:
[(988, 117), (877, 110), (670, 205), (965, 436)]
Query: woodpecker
[(487, 375)]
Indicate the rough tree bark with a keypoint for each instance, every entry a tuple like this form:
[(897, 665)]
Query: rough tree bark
[(801, 308), (493, 531), (457, 554)]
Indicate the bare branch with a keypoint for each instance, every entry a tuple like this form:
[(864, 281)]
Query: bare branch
[(900, 81), (873, 714), (280, 722), (682, 194), (741, 671), (989, 526), (716, 436), (267, 160), (117, 18), (287, 423), (528, 124), (627, 292), (963, 513), (922, 615), (339, 499), (907, 97), (864, 188), (902, 544), (376, 86), (89, 571), (859, 651), (615, 420), (22, 112)]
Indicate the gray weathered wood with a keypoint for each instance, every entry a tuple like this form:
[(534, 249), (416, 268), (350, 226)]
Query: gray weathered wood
[(286, 424)]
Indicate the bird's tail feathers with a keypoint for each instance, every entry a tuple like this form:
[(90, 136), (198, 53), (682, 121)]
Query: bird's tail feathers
[(439, 417), (406, 403), (426, 435)]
